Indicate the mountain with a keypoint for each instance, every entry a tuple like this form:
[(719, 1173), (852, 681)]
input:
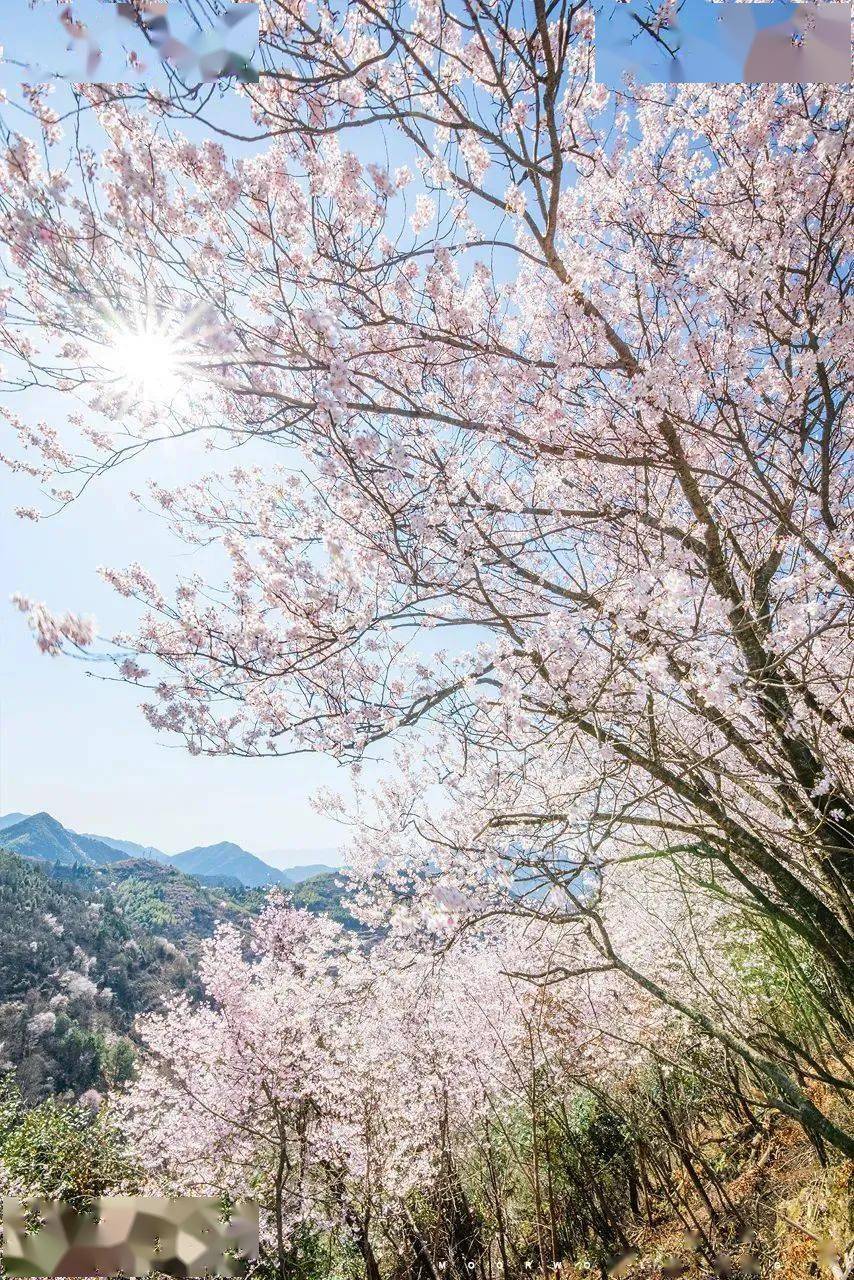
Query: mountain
[(41, 836), (296, 875), (10, 819), (226, 864), (133, 850), (303, 863), (218, 882), (227, 859), (167, 901)]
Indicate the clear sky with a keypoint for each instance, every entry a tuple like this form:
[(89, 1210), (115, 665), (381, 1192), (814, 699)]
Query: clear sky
[(77, 745)]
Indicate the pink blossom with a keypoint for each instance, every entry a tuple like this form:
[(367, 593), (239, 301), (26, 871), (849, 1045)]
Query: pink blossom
[(51, 629)]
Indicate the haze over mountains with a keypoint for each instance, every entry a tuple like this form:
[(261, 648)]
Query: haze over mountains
[(40, 835)]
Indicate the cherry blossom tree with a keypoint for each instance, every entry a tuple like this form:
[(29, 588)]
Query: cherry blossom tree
[(330, 1082), (559, 386), (450, 1118)]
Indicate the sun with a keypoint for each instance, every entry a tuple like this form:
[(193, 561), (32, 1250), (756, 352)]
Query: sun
[(147, 361), (155, 357)]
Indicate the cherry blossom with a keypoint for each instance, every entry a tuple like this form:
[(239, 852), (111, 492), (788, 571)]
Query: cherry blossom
[(545, 480)]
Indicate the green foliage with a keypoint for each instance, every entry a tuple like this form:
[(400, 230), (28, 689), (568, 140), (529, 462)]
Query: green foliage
[(564, 1171), (781, 977), (78, 1053), (144, 904), (310, 1256), (117, 1062), (57, 1150), (323, 895)]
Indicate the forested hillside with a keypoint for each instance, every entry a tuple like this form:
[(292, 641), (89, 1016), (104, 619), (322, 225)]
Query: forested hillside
[(162, 900), (78, 962), (326, 895)]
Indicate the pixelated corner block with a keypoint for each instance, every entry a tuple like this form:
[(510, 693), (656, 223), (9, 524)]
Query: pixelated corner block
[(181, 1236), (713, 42), (116, 43)]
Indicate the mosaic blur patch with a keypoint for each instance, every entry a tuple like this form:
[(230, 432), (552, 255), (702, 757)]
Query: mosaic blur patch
[(706, 42), (135, 1235), (88, 40)]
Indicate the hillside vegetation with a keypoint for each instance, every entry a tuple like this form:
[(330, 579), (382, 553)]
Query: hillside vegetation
[(78, 963), (86, 950)]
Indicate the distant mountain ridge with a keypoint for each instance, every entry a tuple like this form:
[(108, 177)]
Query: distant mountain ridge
[(132, 849), (9, 819), (229, 859), (41, 836)]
